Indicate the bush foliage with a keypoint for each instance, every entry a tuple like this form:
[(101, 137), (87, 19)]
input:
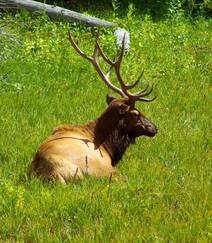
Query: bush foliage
[(157, 8)]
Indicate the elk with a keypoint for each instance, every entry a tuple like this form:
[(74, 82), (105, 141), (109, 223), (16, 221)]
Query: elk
[(94, 149)]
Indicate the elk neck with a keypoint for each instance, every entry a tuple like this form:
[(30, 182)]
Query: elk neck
[(117, 142), (110, 131)]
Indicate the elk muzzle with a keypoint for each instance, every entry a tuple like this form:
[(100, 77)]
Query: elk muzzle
[(149, 129)]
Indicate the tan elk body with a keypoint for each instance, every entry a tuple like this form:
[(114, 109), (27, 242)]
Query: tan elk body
[(96, 147)]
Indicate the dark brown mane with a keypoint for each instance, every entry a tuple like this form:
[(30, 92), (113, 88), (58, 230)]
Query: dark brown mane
[(110, 131), (117, 142), (105, 124)]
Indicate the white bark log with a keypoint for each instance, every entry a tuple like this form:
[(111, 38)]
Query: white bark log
[(55, 12)]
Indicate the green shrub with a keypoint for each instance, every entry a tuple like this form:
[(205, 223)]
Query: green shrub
[(157, 8)]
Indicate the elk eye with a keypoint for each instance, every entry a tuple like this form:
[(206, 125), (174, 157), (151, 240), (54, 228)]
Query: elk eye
[(135, 113), (123, 108)]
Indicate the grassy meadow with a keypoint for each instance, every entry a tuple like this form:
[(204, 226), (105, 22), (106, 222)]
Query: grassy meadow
[(166, 193)]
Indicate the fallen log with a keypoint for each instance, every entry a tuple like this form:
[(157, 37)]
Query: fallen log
[(55, 12)]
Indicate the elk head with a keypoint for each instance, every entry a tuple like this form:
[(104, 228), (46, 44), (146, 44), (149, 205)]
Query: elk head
[(124, 112)]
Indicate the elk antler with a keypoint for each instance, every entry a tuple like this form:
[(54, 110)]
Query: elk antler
[(124, 90)]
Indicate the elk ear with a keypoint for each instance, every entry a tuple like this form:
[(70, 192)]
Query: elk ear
[(123, 108), (109, 98)]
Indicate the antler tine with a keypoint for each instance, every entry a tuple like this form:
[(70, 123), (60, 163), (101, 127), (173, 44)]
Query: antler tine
[(109, 71), (117, 66), (146, 99), (96, 49), (126, 87), (120, 57), (82, 54), (144, 92), (130, 86), (102, 54), (139, 96), (94, 61)]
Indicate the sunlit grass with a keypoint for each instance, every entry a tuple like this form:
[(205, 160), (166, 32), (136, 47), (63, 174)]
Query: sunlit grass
[(165, 195)]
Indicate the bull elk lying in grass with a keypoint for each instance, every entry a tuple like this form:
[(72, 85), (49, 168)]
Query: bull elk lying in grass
[(96, 147)]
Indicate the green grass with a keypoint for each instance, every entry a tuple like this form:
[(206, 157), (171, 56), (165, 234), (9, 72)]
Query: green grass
[(166, 196)]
